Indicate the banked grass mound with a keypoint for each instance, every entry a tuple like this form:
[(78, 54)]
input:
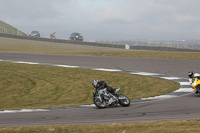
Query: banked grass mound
[(37, 86), (7, 28)]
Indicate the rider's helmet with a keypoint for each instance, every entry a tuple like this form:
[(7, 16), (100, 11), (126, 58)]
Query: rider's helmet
[(94, 83), (190, 74)]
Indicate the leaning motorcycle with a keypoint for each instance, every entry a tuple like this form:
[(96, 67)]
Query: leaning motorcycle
[(102, 99), (196, 84)]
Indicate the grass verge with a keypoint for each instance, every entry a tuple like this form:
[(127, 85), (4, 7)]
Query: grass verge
[(24, 46), (36, 86), (185, 126)]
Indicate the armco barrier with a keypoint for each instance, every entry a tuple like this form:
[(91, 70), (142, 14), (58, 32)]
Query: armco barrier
[(152, 48)]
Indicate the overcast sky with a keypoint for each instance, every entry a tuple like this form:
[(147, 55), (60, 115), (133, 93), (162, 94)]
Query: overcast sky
[(106, 19)]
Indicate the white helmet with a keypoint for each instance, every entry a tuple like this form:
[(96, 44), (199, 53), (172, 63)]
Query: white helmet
[(94, 83)]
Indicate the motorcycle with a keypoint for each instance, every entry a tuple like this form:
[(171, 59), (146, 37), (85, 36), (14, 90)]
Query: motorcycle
[(102, 99), (196, 84)]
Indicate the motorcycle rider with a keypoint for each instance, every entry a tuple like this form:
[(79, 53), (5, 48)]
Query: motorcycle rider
[(192, 77), (102, 84)]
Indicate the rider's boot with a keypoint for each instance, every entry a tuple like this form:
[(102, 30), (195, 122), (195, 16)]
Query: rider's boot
[(197, 90), (116, 91)]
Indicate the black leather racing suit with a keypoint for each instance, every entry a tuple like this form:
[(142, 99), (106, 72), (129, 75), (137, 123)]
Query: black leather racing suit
[(102, 85)]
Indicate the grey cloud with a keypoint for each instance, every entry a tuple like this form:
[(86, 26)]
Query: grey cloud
[(113, 19)]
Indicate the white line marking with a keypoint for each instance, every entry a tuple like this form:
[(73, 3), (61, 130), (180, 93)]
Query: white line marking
[(32, 63), (22, 110), (159, 97), (144, 73), (185, 90), (22, 62), (92, 105), (170, 78), (110, 70), (67, 66), (184, 83)]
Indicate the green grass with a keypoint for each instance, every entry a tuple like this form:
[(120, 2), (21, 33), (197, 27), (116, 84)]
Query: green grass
[(6, 28), (37, 86), (24, 46), (189, 126), (27, 46)]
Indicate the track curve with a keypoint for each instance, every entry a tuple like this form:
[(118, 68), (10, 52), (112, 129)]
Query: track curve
[(171, 109)]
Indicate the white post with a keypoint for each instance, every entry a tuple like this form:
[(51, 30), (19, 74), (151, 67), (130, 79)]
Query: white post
[(127, 46)]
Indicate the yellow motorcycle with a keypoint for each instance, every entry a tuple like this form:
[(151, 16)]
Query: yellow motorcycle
[(196, 84)]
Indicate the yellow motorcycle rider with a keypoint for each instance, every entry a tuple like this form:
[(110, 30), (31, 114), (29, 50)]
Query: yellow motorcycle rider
[(194, 79)]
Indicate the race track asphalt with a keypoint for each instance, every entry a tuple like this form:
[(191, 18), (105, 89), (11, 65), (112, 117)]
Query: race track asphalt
[(180, 108)]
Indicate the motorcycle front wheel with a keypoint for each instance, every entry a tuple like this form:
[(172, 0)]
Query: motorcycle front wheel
[(124, 101), (99, 104)]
